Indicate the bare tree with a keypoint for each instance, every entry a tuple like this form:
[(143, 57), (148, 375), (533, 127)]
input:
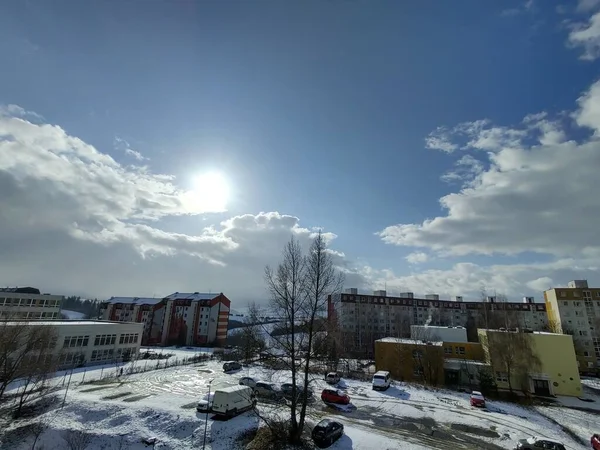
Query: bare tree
[(512, 353), (77, 439), (36, 370), (298, 297), (21, 345), (37, 429)]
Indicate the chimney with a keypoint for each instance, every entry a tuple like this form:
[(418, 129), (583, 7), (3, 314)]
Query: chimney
[(578, 284), (379, 293), (528, 300), (458, 298), (432, 297), (352, 291), (407, 295)]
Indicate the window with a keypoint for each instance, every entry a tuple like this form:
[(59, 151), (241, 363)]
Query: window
[(76, 341), (563, 294), (448, 350), (575, 294), (417, 372), (590, 364), (105, 339), (417, 353), (502, 377), (128, 338), (461, 350), (102, 355)]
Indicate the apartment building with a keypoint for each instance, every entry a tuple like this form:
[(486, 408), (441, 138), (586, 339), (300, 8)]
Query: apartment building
[(365, 318), (27, 303), (148, 311), (575, 310), (88, 342), (177, 319)]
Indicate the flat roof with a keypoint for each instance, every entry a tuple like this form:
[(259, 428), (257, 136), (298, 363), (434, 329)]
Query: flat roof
[(394, 340), (67, 322)]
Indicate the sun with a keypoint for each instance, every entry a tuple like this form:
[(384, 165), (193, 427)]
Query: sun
[(210, 192)]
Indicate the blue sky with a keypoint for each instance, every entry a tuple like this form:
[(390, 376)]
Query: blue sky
[(318, 110)]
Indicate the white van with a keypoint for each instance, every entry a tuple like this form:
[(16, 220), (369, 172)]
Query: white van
[(233, 400), (381, 380)]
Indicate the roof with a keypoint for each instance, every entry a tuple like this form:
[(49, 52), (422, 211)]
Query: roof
[(21, 290), (192, 296), (136, 300), (392, 340), (67, 322)]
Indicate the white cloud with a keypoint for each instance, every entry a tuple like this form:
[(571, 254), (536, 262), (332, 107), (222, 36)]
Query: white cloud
[(123, 145), (587, 37), (539, 194), (440, 140), (465, 171), (541, 284), (74, 220), (467, 279), (417, 257)]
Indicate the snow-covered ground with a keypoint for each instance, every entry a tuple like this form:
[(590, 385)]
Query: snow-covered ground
[(161, 404)]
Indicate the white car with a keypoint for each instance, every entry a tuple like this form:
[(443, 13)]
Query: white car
[(248, 381), (381, 380), (332, 378), (205, 403)]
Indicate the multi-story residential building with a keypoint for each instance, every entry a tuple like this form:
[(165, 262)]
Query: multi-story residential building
[(180, 318), (87, 342), (26, 303), (362, 319), (149, 311), (575, 310), (551, 369)]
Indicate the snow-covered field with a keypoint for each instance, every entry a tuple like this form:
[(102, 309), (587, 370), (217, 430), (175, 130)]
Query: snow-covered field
[(161, 404)]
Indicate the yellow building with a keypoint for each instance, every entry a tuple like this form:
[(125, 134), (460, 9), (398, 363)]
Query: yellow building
[(575, 310), (541, 363), (411, 360)]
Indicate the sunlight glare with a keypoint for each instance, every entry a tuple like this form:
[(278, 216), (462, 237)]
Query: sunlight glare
[(210, 192)]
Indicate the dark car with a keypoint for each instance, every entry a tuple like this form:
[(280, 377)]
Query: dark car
[(595, 441), (267, 390), (230, 366), (287, 389), (326, 432), (335, 396), (534, 443)]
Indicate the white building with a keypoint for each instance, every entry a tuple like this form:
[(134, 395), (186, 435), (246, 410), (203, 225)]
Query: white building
[(88, 342), (23, 303)]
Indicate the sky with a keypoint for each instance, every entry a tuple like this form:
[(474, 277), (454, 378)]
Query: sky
[(154, 147)]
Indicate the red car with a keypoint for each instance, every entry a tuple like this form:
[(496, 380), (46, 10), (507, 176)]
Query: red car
[(335, 396), (595, 441), (477, 399)]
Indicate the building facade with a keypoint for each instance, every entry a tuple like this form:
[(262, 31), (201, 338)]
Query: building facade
[(178, 319), (87, 342), (575, 310), (362, 319), (27, 303), (550, 370)]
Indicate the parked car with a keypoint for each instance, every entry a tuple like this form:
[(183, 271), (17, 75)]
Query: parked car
[(248, 381), (332, 378), (595, 441), (267, 390), (534, 443), (205, 403), (326, 432), (335, 396), (231, 365), (477, 399), (286, 389), (233, 400), (381, 380)]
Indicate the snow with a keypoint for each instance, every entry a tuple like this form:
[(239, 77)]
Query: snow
[(72, 315), (161, 403)]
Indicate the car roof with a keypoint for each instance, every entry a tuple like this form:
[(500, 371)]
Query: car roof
[(382, 372), (326, 422)]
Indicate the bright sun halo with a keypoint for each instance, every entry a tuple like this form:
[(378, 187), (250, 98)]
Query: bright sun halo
[(211, 191)]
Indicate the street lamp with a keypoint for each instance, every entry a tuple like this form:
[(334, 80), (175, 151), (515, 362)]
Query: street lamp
[(207, 408)]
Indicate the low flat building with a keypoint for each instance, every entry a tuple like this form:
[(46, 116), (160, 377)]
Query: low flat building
[(542, 363), (78, 343), (27, 303)]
